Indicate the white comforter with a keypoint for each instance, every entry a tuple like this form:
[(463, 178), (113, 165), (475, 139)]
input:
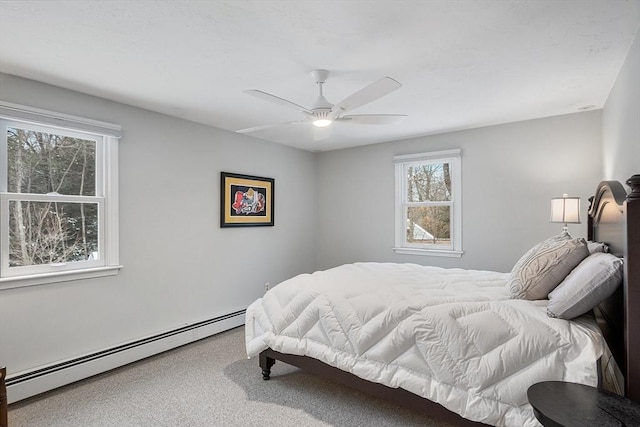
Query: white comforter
[(452, 336)]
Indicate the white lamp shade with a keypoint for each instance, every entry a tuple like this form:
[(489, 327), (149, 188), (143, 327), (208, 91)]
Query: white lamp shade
[(565, 209)]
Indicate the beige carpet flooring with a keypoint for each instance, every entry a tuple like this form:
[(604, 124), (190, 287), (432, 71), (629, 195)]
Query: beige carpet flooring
[(208, 383)]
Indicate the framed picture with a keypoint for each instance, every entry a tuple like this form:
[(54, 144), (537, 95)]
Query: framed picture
[(245, 200)]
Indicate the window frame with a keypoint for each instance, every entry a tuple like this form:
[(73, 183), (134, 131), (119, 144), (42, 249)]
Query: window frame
[(402, 162), (106, 135)]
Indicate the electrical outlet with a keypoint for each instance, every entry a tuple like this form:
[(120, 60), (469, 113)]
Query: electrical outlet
[(266, 287)]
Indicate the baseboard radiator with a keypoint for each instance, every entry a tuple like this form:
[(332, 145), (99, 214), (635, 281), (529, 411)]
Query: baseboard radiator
[(30, 383)]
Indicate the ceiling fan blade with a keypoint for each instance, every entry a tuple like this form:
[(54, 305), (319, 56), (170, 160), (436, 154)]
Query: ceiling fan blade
[(370, 93), (277, 100), (373, 119), (274, 125)]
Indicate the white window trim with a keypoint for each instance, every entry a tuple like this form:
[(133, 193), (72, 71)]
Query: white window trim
[(23, 113), (401, 247), (108, 200), (55, 277)]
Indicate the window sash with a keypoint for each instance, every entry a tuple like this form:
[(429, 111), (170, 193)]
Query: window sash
[(406, 204), (99, 140), (405, 182), (406, 243), (14, 271), (51, 197), (445, 203)]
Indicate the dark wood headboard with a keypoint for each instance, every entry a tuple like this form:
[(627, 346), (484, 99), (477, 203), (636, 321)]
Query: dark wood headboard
[(614, 219)]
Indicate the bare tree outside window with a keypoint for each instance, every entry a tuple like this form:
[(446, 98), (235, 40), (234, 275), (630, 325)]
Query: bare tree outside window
[(429, 186), (48, 232)]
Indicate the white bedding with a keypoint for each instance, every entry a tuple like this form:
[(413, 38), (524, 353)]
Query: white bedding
[(452, 336)]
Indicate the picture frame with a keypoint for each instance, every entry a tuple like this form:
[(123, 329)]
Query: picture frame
[(246, 200)]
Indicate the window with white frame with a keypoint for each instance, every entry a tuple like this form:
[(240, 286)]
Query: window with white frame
[(58, 197), (428, 203)]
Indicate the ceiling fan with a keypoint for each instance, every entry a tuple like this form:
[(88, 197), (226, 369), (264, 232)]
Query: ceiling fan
[(322, 113)]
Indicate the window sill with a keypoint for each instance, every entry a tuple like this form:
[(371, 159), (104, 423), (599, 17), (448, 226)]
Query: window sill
[(429, 252), (63, 276)]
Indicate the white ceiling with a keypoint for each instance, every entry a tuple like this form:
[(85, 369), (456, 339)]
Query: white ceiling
[(463, 64)]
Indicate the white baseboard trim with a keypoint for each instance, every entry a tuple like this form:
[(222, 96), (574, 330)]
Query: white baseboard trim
[(30, 383)]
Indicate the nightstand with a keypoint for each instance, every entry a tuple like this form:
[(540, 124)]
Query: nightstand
[(557, 403), (3, 398)]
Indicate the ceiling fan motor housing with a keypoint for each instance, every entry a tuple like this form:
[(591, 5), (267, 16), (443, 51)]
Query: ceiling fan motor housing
[(321, 105)]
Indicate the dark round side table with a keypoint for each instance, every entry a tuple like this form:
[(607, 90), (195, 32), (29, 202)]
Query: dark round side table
[(557, 403)]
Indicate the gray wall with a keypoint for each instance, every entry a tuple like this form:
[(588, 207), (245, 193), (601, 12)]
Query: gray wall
[(621, 120), (509, 174), (180, 267)]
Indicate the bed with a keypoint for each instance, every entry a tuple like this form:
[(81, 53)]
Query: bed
[(455, 343)]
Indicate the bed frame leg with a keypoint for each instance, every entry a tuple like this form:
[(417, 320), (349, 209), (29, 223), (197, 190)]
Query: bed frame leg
[(266, 363)]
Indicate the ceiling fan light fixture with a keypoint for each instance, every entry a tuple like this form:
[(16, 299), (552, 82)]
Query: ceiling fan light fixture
[(322, 117), (321, 123)]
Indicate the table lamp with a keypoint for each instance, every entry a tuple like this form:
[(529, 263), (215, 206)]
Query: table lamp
[(565, 210)]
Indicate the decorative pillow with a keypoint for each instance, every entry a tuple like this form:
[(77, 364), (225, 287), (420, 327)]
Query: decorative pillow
[(545, 265), (591, 282), (597, 247)]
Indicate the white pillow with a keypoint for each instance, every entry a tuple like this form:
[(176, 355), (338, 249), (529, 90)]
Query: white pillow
[(591, 282), (597, 247), (545, 265)]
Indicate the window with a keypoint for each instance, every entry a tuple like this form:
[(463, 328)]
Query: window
[(58, 197), (428, 205)]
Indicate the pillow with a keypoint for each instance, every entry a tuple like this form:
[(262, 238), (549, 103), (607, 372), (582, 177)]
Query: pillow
[(545, 265), (591, 282), (597, 247)]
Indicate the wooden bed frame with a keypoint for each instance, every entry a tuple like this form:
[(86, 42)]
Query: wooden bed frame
[(614, 219)]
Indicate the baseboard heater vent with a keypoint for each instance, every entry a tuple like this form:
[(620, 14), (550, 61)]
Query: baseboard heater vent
[(124, 353)]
